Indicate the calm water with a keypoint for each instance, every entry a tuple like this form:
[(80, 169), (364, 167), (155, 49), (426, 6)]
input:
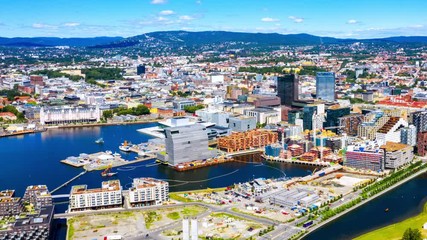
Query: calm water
[(405, 201), (34, 159)]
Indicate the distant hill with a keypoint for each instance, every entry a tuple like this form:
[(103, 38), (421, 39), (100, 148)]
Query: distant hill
[(183, 38), (53, 41), (177, 39)]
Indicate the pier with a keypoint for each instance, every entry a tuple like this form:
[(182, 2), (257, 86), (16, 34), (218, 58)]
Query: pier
[(276, 159), (68, 182)]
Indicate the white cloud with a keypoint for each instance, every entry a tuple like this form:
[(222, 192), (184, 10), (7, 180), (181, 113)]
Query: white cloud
[(269, 19), (43, 26), (71, 24), (186, 18), (162, 19), (352, 21), (296, 19), (158, 1), (167, 12)]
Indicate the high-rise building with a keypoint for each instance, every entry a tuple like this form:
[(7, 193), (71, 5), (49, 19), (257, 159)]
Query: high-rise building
[(396, 154), (408, 135), (313, 116), (140, 69), (419, 119), (186, 144), (287, 89), (333, 115), (350, 123), (325, 86)]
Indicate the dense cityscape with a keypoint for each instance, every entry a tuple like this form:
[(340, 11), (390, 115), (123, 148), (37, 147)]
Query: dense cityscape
[(213, 135)]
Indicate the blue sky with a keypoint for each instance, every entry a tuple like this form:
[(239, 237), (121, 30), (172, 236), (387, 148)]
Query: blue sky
[(335, 18)]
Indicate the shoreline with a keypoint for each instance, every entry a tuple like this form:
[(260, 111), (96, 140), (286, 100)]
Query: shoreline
[(101, 124), (314, 228)]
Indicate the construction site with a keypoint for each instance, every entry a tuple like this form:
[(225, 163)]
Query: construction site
[(246, 140)]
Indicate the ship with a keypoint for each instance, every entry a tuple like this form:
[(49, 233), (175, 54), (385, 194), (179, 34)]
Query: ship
[(99, 141), (107, 173), (125, 147)]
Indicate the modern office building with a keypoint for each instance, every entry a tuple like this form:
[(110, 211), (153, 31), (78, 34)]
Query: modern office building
[(325, 86), (364, 160), (140, 69), (186, 144), (397, 154), (408, 135), (109, 195), (181, 104), (287, 89), (148, 191), (265, 115), (220, 118), (313, 116), (333, 115), (242, 123), (69, 115)]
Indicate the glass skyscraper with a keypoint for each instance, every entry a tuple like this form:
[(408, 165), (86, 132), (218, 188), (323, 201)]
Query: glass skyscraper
[(325, 86), (287, 89)]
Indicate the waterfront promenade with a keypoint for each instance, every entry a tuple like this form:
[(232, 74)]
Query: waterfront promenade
[(321, 224)]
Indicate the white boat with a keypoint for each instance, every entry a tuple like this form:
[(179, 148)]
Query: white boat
[(99, 141), (124, 148)]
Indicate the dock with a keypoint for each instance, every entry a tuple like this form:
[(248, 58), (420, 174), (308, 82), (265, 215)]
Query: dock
[(200, 164), (277, 159), (68, 182), (103, 160)]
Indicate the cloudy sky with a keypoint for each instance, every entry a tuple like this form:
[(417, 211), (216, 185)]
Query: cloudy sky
[(335, 18)]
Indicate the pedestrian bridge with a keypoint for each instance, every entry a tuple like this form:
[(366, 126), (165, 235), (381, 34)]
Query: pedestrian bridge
[(60, 196)]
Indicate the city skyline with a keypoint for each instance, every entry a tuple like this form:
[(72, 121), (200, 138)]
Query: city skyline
[(79, 18)]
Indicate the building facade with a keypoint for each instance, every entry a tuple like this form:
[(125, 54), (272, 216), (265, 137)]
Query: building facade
[(397, 154), (287, 89), (69, 115), (265, 115), (148, 191), (325, 86), (364, 160), (242, 123), (408, 135), (109, 195), (186, 144)]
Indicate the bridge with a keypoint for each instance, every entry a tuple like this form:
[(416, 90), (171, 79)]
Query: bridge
[(67, 182), (60, 196)]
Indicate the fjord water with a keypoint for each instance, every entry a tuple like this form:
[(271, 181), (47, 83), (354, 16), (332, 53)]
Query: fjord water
[(403, 202), (34, 159)]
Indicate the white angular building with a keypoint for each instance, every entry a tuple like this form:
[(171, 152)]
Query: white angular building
[(109, 195), (148, 191)]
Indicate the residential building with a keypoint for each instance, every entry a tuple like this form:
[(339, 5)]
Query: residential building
[(186, 144), (325, 86), (148, 191), (397, 154), (408, 135), (109, 195), (390, 131), (350, 123), (38, 196), (287, 88), (419, 119), (69, 115), (422, 143), (9, 205), (242, 123)]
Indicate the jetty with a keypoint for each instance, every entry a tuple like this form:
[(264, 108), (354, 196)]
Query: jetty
[(284, 160), (68, 182)]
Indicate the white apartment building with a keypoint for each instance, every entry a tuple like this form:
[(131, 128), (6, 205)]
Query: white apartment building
[(69, 115), (148, 191), (109, 195), (265, 115)]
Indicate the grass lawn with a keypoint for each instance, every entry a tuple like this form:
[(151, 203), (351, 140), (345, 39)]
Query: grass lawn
[(395, 231)]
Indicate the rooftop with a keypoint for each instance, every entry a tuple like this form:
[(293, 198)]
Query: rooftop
[(392, 146)]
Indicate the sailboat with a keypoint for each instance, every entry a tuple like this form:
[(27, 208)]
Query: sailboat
[(107, 173), (99, 141)]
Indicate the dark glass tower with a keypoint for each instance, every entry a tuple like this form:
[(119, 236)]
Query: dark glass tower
[(140, 69), (287, 89), (325, 86)]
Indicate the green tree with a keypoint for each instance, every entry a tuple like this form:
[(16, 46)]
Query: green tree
[(107, 114), (193, 109), (412, 234)]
